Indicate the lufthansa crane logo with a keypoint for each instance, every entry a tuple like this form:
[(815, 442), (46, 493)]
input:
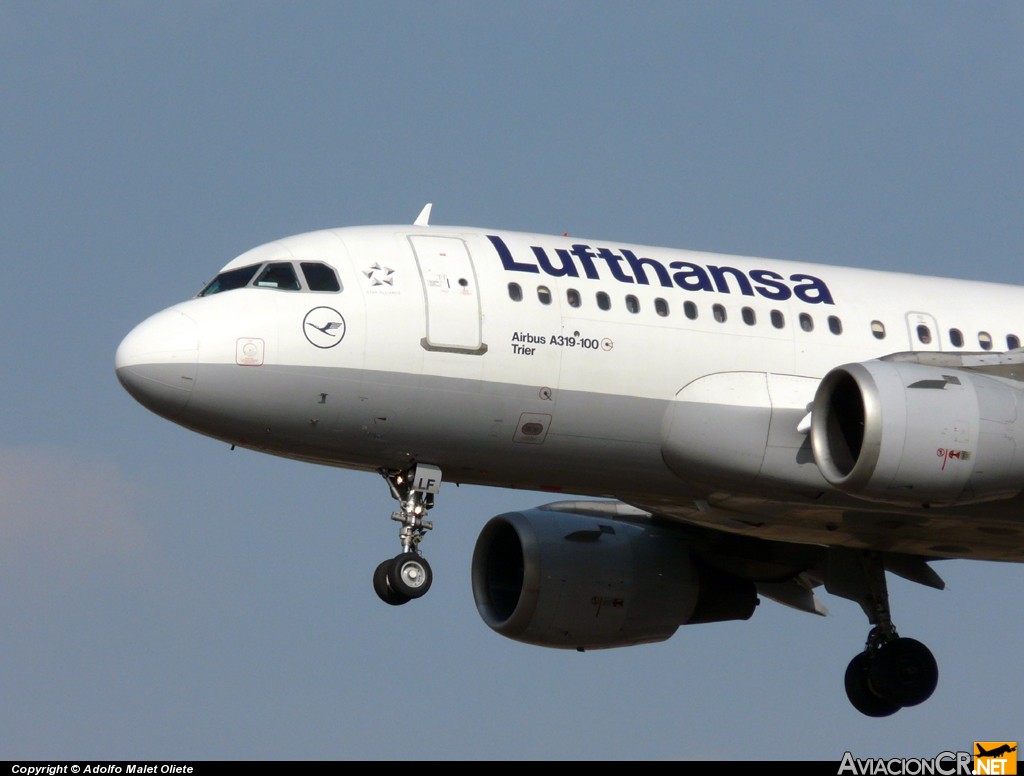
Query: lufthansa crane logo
[(324, 327)]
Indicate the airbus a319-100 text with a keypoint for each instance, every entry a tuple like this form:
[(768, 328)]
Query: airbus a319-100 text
[(731, 428)]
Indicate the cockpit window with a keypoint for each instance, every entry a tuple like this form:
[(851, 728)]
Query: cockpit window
[(280, 274), (276, 274), (320, 277), (232, 279)]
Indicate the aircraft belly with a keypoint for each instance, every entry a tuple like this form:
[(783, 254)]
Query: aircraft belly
[(473, 430)]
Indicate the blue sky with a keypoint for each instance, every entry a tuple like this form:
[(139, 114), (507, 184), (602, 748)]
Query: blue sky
[(163, 597)]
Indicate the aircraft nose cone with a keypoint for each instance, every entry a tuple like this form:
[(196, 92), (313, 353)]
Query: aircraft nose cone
[(156, 363)]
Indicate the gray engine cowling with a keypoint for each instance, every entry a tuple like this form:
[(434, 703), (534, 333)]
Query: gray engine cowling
[(909, 434), (576, 581)]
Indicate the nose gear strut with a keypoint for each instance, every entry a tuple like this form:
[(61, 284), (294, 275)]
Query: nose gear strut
[(408, 575)]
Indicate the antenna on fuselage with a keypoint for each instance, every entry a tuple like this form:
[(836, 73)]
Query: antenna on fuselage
[(423, 219)]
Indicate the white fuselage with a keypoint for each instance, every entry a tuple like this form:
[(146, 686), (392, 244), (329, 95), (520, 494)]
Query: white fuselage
[(559, 364)]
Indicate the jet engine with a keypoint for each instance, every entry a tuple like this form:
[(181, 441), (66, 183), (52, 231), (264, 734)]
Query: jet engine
[(912, 434), (578, 581)]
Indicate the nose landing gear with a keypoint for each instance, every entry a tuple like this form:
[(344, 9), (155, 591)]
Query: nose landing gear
[(408, 575)]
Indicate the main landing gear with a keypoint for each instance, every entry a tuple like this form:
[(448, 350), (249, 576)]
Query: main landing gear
[(892, 672), (406, 576)]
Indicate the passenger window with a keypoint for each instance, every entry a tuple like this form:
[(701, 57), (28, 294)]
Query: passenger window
[(806, 322), (515, 292), (632, 304), (690, 310), (279, 275), (835, 325), (544, 294), (1012, 342), (320, 277), (749, 316), (985, 340), (661, 307), (924, 334), (719, 312), (778, 319), (604, 301), (956, 337), (572, 296), (878, 330)]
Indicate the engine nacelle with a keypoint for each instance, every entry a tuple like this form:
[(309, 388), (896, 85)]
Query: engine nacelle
[(910, 434), (574, 581)]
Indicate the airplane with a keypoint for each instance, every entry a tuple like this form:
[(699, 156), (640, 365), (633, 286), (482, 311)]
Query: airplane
[(999, 750), (730, 429)]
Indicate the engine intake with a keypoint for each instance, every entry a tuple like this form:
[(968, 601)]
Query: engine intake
[(910, 434), (574, 581)]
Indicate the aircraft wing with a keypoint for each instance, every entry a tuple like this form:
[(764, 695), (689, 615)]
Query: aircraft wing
[(784, 571)]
